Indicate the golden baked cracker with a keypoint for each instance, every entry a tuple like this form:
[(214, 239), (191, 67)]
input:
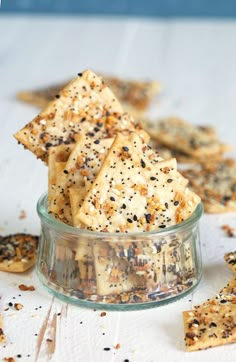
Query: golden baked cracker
[(181, 157), (2, 335), (41, 97), (230, 259), (81, 166), (113, 275), (86, 105), (131, 194), (18, 252), (196, 141), (229, 289), (76, 196), (209, 326), (134, 95), (57, 154), (215, 183)]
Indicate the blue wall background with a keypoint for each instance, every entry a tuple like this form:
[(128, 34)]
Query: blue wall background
[(154, 8)]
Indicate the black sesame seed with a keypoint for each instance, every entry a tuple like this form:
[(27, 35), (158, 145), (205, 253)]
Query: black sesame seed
[(148, 218), (166, 205), (176, 203), (130, 221), (66, 172), (123, 206), (152, 178), (57, 96), (18, 356), (126, 149), (112, 198), (162, 226), (169, 180), (48, 144), (212, 324), (80, 74), (135, 218), (91, 134), (96, 142), (143, 164), (106, 349), (10, 304)]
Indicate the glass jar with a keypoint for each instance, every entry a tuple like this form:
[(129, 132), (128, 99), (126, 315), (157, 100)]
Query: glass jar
[(118, 271)]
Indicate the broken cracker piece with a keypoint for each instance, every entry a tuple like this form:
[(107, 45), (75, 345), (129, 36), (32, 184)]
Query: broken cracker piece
[(18, 252), (210, 326)]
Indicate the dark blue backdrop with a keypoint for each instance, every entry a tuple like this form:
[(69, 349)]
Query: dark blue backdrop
[(156, 8)]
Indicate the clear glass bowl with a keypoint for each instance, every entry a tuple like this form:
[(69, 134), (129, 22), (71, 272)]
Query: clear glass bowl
[(118, 271)]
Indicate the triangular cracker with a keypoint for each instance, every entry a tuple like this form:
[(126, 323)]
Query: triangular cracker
[(86, 105), (131, 194)]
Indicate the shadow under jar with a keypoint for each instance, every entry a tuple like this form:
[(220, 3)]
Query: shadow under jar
[(118, 271)]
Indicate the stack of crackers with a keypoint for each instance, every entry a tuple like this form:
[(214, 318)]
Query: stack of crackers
[(103, 177), (102, 174)]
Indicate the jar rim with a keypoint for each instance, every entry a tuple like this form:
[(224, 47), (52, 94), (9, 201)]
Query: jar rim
[(50, 220)]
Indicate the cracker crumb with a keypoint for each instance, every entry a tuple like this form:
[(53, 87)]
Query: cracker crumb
[(24, 287), (22, 215), (103, 314), (117, 346), (230, 232), (18, 306)]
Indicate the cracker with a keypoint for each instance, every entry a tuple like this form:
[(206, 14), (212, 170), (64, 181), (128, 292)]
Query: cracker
[(230, 259), (215, 183), (56, 154), (18, 252), (134, 95), (196, 141), (131, 194), (113, 275), (181, 157), (82, 165), (2, 335), (86, 105), (209, 326), (229, 289), (76, 196)]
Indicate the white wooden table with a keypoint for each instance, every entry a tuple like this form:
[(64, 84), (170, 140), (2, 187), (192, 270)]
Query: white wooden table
[(196, 62)]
